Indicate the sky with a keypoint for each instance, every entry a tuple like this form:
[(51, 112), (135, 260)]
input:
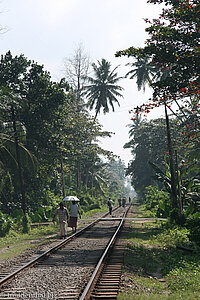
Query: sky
[(47, 31)]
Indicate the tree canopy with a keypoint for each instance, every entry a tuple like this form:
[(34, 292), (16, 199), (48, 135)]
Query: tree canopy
[(173, 48), (170, 62), (56, 140), (102, 89)]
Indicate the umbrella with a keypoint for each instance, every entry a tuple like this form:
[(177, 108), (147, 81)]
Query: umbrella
[(71, 198)]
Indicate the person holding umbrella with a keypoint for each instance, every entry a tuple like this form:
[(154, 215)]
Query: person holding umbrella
[(63, 217), (73, 213)]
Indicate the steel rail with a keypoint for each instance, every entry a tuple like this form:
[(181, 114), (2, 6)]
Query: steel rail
[(88, 289), (35, 260)]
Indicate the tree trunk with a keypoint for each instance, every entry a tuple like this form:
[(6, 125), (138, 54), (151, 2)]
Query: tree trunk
[(78, 95), (171, 158), (23, 203), (78, 174), (63, 179), (179, 192)]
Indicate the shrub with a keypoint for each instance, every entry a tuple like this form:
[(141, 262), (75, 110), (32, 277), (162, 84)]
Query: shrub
[(157, 201), (40, 214), (186, 276), (193, 224), (174, 237), (25, 224), (94, 206), (17, 216), (5, 224)]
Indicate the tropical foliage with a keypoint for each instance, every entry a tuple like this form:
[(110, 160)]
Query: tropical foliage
[(169, 63), (102, 89), (49, 146), (143, 71)]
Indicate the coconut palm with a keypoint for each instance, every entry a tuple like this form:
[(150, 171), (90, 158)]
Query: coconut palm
[(143, 70), (102, 90), (137, 121)]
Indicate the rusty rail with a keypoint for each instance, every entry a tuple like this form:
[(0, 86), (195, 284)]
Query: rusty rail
[(104, 282)]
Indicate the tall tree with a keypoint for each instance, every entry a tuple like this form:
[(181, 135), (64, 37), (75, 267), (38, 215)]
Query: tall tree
[(14, 157), (116, 175), (144, 73), (76, 71), (148, 143), (79, 144), (173, 46), (143, 70), (38, 100), (102, 89)]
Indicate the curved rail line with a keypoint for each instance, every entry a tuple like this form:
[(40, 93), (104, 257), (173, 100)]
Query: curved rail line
[(104, 282), (47, 253)]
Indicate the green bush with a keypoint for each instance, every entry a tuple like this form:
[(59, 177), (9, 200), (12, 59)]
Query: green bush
[(88, 202), (40, 214), (25, 223), (174, 237), (186, 276), (193, 224), (94, 206), (17, 216), (157, 201), (5, 224)]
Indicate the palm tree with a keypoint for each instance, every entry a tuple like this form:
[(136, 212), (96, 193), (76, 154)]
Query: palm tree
[(9, 162), (143, 71), (137, 121), (102, 90)]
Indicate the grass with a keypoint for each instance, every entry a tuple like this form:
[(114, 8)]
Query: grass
[(16, 243), (156, 268), (162, 296)]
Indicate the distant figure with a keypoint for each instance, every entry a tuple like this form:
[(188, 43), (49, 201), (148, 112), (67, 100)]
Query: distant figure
[(129, 199), (73, 212), (120, 202), (110, 206), (62, 218), (124, 202)]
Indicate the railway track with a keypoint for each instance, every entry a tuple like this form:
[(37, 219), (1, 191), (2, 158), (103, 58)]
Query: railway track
[(105, 280), (6, 275), (70, 262)]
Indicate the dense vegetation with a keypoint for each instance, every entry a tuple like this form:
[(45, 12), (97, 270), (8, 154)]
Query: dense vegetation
[(165, 168), (161, 262), (49, 145)]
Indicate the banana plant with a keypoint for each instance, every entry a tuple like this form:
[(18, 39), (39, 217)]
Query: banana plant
[(163, 177), (188, 187)]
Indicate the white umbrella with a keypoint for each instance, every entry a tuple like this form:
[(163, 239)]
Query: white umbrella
[(71, 198)]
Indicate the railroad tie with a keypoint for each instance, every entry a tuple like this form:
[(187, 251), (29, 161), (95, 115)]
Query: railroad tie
[(107, 286), (68, 293)]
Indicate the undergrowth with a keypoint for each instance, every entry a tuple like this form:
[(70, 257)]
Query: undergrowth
[(161, 263)]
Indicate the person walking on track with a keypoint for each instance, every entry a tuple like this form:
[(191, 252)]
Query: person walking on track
[(110, 206), (73, 213), (124, 202), (63, 217)]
